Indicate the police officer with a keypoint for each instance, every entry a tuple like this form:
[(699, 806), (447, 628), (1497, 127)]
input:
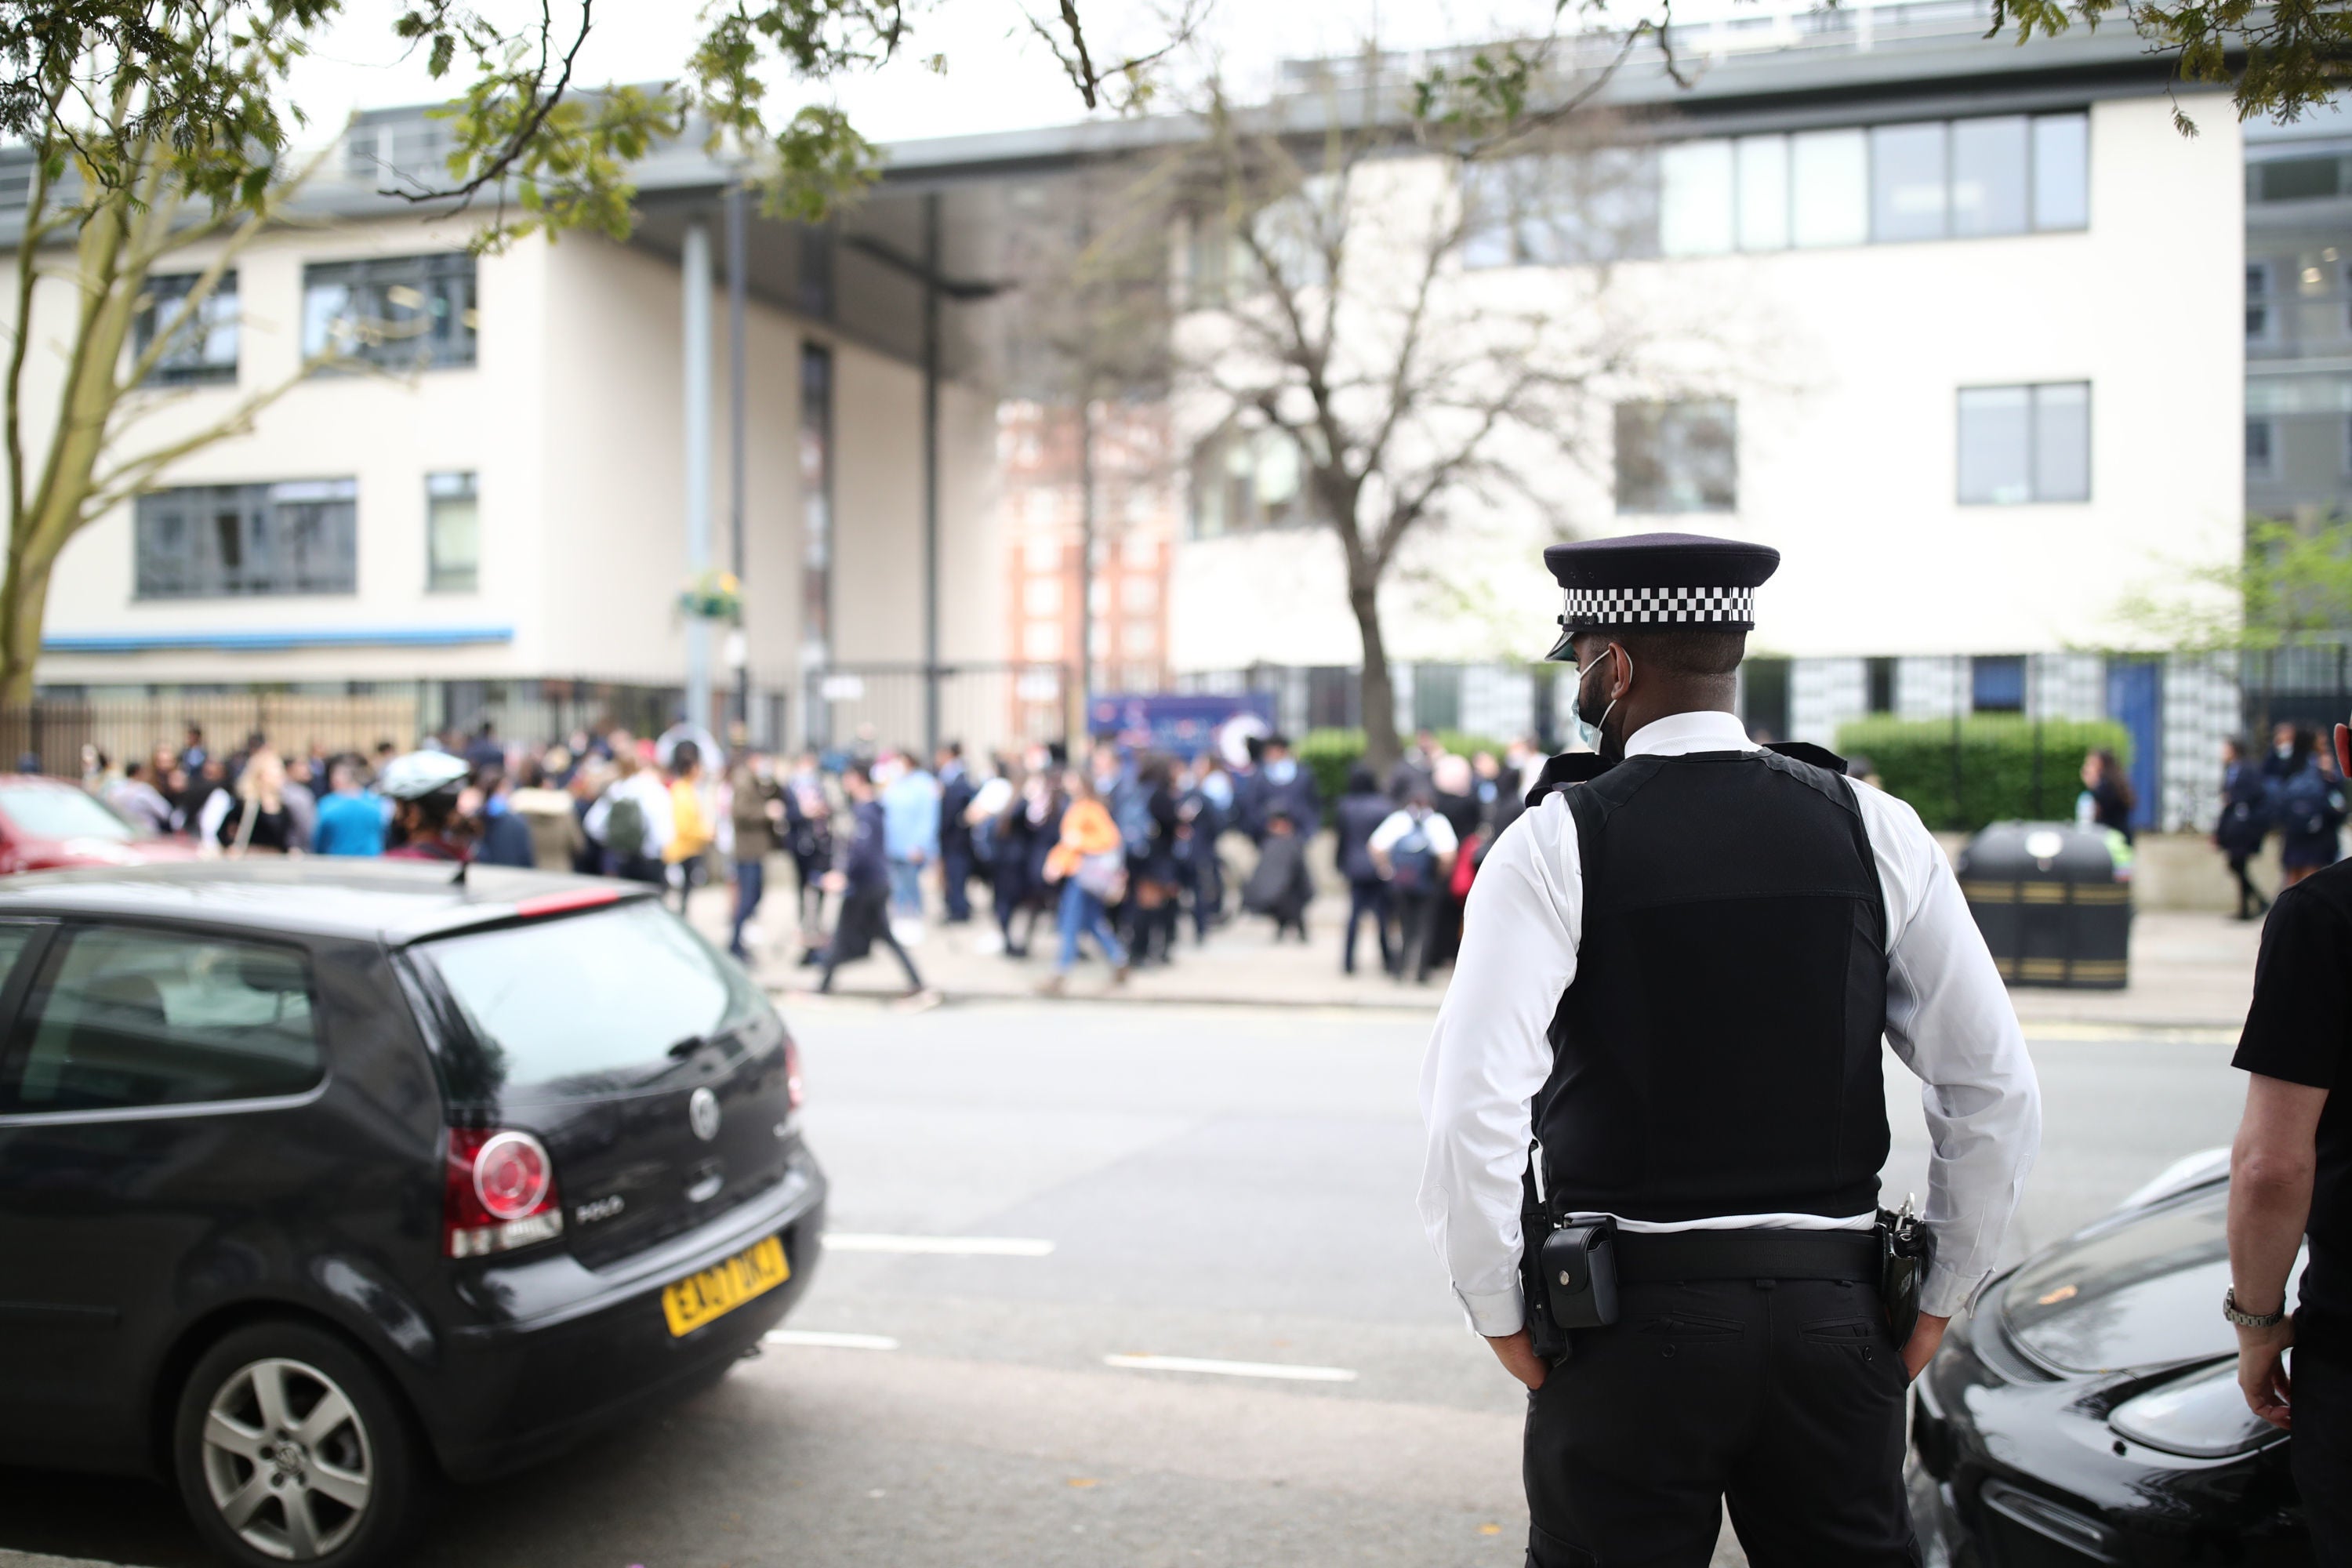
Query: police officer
[(1675, 977)]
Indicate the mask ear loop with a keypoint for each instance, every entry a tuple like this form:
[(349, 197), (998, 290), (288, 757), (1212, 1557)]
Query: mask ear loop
[(1618, 648)]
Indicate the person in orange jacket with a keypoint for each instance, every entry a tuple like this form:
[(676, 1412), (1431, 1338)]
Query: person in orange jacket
[(1090, 863)]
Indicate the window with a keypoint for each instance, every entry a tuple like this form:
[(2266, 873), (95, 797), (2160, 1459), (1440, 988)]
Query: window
[(1676, 456), (1042, 641), (1990, 175), (1138, 594), (815, 280), (225, 541), (2262, 449), (1879, 676), (2061, 172), (401, 312), (816, 506), (1997, 685), (1042, 595), (453, 541), (1829, 187), (1908, 181), (2261, 317), (1140, 640), (1244, 479), (2020, 443), (124, 1018), (1763, 196), (1561, 211), (2295, 179), (204, 349), (1999, 174), (1697, 198)]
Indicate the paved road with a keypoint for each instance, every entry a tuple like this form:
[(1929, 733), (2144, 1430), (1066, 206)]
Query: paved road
[(1215, 1184)]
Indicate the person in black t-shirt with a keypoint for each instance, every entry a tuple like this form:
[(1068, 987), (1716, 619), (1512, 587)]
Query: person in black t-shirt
[(2290, 1179)]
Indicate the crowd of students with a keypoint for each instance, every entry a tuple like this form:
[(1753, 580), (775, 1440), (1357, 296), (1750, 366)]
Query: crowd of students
[(2293, 790)]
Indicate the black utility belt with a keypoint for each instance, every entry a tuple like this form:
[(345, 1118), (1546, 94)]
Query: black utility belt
[(1576, 1262)]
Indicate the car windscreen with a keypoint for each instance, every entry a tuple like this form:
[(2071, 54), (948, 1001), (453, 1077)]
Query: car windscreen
[(48, 811), (584, 1004)]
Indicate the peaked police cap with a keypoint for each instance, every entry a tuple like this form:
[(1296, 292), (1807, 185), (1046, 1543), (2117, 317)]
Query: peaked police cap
[(1658, 580)]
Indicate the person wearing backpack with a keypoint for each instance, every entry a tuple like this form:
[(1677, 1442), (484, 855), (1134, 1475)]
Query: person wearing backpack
[(2309, 808), (632, 820), (1413, 851)]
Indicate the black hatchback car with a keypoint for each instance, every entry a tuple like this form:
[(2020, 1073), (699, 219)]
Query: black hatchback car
[(2089, 1412), (318, 1179)]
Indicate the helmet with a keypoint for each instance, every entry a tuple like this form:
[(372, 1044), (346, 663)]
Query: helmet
[(417, 775)]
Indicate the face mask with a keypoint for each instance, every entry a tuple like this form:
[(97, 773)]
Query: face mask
[(1588, 730), (1282, 770)]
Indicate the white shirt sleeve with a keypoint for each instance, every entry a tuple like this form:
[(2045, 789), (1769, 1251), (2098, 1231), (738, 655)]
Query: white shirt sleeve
[(1949, 1018), (1440, 834), (1392, 828), (1489, 1054)]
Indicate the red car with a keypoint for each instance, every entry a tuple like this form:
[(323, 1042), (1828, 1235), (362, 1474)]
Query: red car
[(47, 824)]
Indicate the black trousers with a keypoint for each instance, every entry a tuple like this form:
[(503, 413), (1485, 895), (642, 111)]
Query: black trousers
[(1416, 915), (1783, 1398), (1367, 900), (2322, 1451)]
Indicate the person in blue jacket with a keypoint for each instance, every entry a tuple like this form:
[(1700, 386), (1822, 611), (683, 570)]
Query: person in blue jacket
[(2244, 822)]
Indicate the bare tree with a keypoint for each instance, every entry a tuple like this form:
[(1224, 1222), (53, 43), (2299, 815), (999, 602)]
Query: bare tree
[(1331, 308)]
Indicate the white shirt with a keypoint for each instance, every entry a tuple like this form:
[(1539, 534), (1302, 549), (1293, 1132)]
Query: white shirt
[(1397, 824), (1947, 1016)]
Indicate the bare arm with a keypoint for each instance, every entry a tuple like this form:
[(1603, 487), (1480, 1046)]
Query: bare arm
[(2270, 1168)]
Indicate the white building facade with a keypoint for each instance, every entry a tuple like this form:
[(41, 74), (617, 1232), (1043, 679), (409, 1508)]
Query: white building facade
[(1956, 326)]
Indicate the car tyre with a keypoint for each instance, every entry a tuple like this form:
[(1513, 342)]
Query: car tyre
[(290, 1447)]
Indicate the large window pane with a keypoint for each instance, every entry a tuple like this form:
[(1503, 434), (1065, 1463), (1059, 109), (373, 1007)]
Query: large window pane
[(1989, 175), (1831, 173), (1676, 456), (2062, 170), (453, 533), (2061, 442), (126, 1018), (1763, 175), (1996, 445), (233, 540), (1694, 210), (1907, 178), (204, 347), (403, 312)]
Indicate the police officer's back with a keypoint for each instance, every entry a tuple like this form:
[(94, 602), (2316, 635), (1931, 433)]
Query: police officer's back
[(1675, 976)]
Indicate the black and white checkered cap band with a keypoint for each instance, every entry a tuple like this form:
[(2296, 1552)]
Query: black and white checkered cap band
[(1641, 606)]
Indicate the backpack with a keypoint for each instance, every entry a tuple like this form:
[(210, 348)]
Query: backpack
[(1413, 862), (624, 827), (2303, 806)]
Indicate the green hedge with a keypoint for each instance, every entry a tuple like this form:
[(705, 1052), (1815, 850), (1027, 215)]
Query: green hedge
[(1330, 753), (1914, 759)]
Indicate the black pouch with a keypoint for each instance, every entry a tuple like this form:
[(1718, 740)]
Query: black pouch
[(1906, 1249), (1579, 1260), (1545, 1336)]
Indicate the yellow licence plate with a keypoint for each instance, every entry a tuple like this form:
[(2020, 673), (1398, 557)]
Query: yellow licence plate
[(719, 1290)]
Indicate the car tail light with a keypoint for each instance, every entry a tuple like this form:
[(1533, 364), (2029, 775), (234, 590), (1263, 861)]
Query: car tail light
[(795, 1091), (498, 1192)]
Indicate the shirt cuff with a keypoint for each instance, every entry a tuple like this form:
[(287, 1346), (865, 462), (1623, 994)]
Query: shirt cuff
[(1947, 1290), (1494, 1313)]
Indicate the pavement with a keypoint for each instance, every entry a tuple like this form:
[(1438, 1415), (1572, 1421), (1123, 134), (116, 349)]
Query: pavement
[(1177, 1308), (2189, 971)]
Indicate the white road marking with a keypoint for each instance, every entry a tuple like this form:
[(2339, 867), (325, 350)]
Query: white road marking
[(823, 1338), (938, 1246), (1233, 1368)]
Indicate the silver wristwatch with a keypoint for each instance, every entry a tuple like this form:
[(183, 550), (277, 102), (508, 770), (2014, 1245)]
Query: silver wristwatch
[(2246, 1319)]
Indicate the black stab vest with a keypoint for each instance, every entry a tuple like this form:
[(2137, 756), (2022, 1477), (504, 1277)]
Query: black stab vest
[(1718, 1051)]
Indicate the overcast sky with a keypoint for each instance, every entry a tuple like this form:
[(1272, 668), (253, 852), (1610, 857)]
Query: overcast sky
[(998, 76)]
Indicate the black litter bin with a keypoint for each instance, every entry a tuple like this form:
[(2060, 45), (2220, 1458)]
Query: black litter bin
[(2054, 901)]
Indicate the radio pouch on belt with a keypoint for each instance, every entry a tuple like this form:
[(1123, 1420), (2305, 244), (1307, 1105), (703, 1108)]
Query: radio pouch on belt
[(1906, 1248), (1567, 1268)]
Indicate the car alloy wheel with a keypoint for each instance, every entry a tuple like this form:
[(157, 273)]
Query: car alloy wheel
[(288, 1459)]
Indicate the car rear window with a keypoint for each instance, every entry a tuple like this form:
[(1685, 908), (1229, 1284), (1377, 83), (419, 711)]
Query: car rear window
[(585, 1002), (49, 811)]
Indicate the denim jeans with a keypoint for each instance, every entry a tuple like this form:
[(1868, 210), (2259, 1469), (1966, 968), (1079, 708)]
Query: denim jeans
[(907, 888), (750, 883), (1083, 912)]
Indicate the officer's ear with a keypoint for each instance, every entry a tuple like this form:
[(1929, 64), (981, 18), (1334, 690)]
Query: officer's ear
[(1621, 672)]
